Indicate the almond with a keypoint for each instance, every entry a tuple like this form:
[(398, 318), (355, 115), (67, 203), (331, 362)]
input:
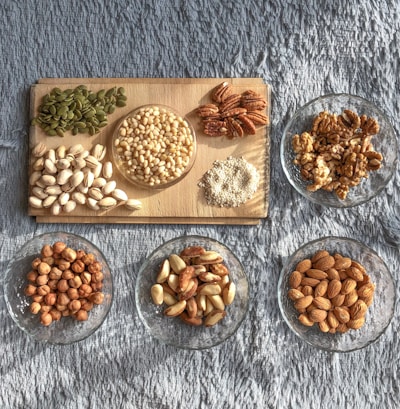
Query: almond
[(350, 298), (312, 282), (322, 303), (355, 273), (356, 324), (294, 294), (342, 314), (295, 279), (338, 300), (358, 266), (323, 326), (307, 290), (332, 320), (358, 309), (321, 289), (334, 288), (342, 263), (315, 273), (324, 263), (348, 286), (317, 315), (333, 274), (342, 328), (305, 320), (366, 290), (319, 254), (303, 302), (303, 265)]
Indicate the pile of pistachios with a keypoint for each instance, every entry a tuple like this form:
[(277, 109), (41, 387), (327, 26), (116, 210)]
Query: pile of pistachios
[(78, 110)]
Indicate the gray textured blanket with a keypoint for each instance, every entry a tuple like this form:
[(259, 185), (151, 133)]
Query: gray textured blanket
[(303, 49)]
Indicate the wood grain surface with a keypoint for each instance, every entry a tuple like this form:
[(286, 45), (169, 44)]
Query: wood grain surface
[(183, 203)]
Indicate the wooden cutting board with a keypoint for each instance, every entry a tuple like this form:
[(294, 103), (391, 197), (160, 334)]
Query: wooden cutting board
[(184, 202)]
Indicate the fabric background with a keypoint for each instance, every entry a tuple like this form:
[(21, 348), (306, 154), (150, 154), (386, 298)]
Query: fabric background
[(303, 49)]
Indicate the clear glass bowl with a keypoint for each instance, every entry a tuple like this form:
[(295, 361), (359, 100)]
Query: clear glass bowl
[(67, 330), (121, 160), (384, 142), (171, 330), (379, 314)]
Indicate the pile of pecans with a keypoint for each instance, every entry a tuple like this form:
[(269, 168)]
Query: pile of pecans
[(195, 285), (231, 114), (331, 291), (337, 153), (64, 282)]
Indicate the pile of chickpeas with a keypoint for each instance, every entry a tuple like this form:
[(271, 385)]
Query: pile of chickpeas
[(64, 282)]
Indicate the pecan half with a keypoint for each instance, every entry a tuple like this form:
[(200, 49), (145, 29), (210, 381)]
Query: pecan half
[(221, 92), (247, 124), (233, 101), (215, 128), (234, 128), (207, 110), (253, 101), (233, 112), (258, 117)]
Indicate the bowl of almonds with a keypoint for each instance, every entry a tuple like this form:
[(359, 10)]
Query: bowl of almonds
[(192, 292), (58, 288), (336, 294), (339, 150)]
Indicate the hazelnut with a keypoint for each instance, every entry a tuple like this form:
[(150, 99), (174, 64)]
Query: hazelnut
[(63, 299), (75, 282), (69, 254), (63, 264), (88, 258), (96, 298), (32, 276), (58, 247), (73, 293), (35, 307), (43, 268), (37, 298), (81, 315), (30, 290), (86, 277), (74, 306), (62, 286), (95, 267), (97, 286), (43, 290), (78, 266), (98, 277), (61, 308), (80, 254), (35, 263), (52, 284), (45, 308), (86, 304), (49, 260), (68, 274), (85, 290), (55, 314), (46, 319), (42, 279), (47, 251), (55, 273), (50, 298)]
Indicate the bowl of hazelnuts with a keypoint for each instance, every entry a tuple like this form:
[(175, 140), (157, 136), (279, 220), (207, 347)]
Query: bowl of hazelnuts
[(58, 288)]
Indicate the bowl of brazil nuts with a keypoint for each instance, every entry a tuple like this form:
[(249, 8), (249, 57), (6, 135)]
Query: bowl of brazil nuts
[(58, 288), (154, 146), (336, 294), (339, 150), (192, 292)]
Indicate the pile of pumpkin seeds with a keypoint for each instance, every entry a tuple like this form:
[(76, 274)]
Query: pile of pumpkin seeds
[(78, 110)]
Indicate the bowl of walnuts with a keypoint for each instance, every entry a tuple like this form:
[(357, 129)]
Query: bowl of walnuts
[(336, 294), (58, 288), (339, 150), (192, 292)]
